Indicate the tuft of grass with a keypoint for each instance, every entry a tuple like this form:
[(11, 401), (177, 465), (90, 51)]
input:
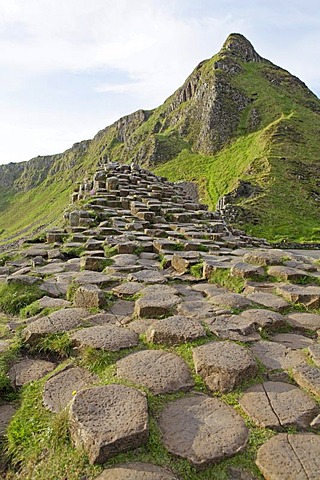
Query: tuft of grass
[(223, 278), (14, 297), (110, 251), (56, 343), (73, 252), (197, 270)]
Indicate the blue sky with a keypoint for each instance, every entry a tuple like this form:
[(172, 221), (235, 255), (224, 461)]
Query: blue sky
[(69, 68)]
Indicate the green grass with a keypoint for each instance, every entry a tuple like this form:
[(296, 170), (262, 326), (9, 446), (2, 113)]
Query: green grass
[(197, 270), (14, 297), (223, 278)]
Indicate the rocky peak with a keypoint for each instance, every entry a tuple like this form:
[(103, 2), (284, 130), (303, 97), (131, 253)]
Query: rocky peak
[(241, 48)]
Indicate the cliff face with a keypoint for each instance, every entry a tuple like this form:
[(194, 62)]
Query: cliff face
[(237, 118)]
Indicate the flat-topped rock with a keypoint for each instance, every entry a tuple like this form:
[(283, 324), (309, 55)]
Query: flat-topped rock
[(293, 340), (60, 389), (231, 300), (309, 296), (264, 318), (307, 377), (49, 302), (94, 278), (108, 420), (89, 296), (288, 456), (60, 321), (147, 276), (269, 300), (314, 351), (156, 302), (266, 257), (123, 260), (304, 321), (158, 370), (287, 273), (233, 327), (127, 289), (246, 270), (123, 310), (198, 308), (277, 405), (136, 471), (275, 355), (29, 370), (203, 430), (7, 410), (51, 268), (106, 337), (223, 365), (175, 330)]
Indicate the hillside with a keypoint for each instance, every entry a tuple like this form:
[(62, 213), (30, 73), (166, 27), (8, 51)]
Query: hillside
[(244, 129)]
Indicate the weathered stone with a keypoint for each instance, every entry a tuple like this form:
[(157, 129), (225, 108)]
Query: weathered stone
[(266, 257), (245, 270), (307, 377), (28, 370), (309, 296), (231, 300), (156, 304), (147, 276), (264, 318), (287, 456), (136, 471), (108, 420), (182, 262), (7, 410), (203, 430), (60, 321), (61, 387), (223, 365), (287, 273), (89, 296), (196, 309), (48, 302), (175, 330), (314, 351), (233, 327), (158, 370), (51, 268), (94, 263), (292, 340), (22, 279), (269, 300), (94, 278), (304, 321), (277, 405), (123, 310), (127, 289), (275, 355), (106, 337)]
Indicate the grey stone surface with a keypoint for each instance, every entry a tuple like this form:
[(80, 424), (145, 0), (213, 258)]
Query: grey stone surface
[(203, 430), (49, 302), (106, 337), (289, 457), (108, 420), (136, 471), (304, 321), (233, 327), (275, 355), (60, 321), (292, 340), (28, 370), (7, 410), (308, 377), (128, 288), (245, 270), (266, 257), (60, 389), (277, 405), (198, 308), (264, 318), (309, 295), (314, 351), (158, 370), (269, 300), (123, 310), (147, 276), (89, 296), (175, 330), (156, 302), (232, 300), (223, 365)]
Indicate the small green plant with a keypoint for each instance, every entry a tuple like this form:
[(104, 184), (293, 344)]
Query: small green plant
[(197, 270), (15, 296), (109, 251), (57, 343), (73, 287), (73, 252), (223, 277)]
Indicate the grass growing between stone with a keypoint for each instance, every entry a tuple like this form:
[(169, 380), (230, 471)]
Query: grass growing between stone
[(14, 297), (223, 278)]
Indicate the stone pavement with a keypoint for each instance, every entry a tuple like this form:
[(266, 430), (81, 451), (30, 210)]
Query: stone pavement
[(143, 269)]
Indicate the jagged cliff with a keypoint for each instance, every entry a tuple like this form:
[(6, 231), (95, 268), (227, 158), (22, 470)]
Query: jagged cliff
[(237, 120)]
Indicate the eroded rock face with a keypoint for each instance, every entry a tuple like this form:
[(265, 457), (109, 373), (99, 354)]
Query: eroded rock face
[(106, 337), (28, 370), (158, 370), (108, 420), (223, 365), (277, 405), (175, 330), (290, 456), (136, 471), (202, 429)]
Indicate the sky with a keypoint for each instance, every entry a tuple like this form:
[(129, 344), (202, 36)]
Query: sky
[(69, 68)]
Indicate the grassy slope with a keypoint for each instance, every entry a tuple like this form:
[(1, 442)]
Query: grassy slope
[(286, 141)]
